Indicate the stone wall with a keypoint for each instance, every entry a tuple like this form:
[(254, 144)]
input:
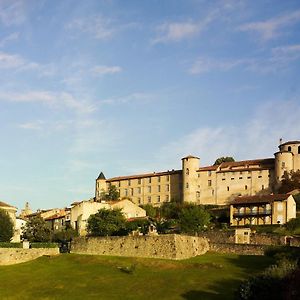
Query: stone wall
[(10, 256), (169, 246), (241, 249)]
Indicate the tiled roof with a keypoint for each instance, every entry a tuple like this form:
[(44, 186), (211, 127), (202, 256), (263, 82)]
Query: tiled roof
[(56, 216), (260, 199), (289, 142), (3, 204), (144, 175)]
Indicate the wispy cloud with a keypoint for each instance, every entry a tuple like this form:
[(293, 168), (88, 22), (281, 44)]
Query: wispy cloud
[(11, 37), (12, 12), (278, 59), (37, 125), (256, 138), (134, 97), (52, 99), (103, 70), (98, 27), (272, 28)]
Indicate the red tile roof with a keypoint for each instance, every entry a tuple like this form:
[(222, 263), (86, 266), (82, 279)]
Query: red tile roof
[(259, 199)]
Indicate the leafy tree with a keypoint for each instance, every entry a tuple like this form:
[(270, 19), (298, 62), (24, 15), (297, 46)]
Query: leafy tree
[(6, 227), (290, 181), (150, 210), (193, 219), (64, 235), (223, 159), (171, 210), (107, 222), (142, 225), (112, 194), (36, 230)]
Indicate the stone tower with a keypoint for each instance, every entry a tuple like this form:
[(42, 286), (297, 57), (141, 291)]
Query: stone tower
[(190, 165), (100, 185), (287, 158)]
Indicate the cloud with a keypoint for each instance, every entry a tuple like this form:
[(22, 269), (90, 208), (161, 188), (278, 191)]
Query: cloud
[(12, 12), (278, 59), (138, 96), (271, 28), (257, 137), (53, 99), (37, 125), (12, 37), (103, 70), (98, 27)]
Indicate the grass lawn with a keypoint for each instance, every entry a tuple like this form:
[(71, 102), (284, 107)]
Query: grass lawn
[(71, 276)]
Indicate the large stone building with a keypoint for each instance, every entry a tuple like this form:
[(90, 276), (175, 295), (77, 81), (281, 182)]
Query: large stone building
[(217, 185)]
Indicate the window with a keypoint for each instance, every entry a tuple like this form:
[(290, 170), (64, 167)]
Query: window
[(149, 179), (209, 182), (158, 198), (167, 178), (187, 172), (279, 206), (289, 148), (209, 173), (187, 185), (249, 177), (212, 192), (139, 181), (262, 187), (241, 173), (149, 199), (197, 194), (232, 178), (198, 175), (283, 165), (228, 189), (139, 201), (158, 179), (158, 188), (246, 187), (223, 179), (126, 192), (138, 190), (129, 182), (167, 188), (167, 198), (259, 176), (240, 177), (131, 191), (149, 189), (298, 149)]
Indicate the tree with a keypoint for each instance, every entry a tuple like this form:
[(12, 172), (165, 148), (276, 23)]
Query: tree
[(36, 230), (290, 181), (107, 222), (112, 194), (193, 219), (223, 159), (150, 210), (6, 227)]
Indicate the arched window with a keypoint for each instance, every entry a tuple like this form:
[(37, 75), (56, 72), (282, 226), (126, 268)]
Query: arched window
[(289, 148), (187, 171)]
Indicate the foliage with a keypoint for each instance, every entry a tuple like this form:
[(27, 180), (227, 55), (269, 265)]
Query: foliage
[(107, 222), (64, 235), (150, 210), (283, 252), (166, 226), (6, 227), (293, 224), (43, 245), (193, 219), (142, 225), (171, 210), (36, 230), (10, 245), (111, 195), (290, 181), (223, 159)]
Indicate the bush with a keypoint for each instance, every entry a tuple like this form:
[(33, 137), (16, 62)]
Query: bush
[(6, 227), (36, 230), (10, 245), (293, 224), (43, 245), (64, 235), (283, 252)]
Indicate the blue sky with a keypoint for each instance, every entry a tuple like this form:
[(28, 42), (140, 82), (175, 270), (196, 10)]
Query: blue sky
[(126, 87)]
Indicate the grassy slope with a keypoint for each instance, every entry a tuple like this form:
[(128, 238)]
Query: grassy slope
[(70, 276)]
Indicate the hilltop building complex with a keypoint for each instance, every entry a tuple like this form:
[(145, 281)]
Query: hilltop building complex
[(216, 185)]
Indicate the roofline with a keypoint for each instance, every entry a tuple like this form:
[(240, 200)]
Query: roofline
[(289, 143)]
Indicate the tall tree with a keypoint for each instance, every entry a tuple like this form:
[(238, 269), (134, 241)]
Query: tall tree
[(107, 222), (223, 159), (290, 181), (6, 227), (111, 195), (36, 230)]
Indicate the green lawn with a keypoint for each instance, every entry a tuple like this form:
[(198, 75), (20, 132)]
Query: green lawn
[(71, 276)]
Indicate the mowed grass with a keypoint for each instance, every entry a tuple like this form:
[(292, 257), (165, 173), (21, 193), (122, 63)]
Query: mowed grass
[(71, 276)]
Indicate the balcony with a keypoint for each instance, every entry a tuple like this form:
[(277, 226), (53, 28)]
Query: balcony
[(261, 213)]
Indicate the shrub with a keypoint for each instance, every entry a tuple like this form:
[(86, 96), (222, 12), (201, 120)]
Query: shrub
[(293, 224), (43, 245), (36, 230), (6, 227), (10, 245)]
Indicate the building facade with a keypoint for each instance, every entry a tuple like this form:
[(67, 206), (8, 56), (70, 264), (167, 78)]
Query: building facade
[(262, 210), (214, 185)]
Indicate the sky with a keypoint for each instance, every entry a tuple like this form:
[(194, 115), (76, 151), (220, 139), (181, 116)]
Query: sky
[(126, 87)]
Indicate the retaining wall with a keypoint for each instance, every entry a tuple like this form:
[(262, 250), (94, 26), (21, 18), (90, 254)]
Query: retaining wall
[(10, 256), (169, 246), (241, 249)]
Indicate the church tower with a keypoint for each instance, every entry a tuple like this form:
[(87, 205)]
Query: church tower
[(100, 186)]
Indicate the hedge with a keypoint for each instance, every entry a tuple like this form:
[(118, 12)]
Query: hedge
[(10, 245)]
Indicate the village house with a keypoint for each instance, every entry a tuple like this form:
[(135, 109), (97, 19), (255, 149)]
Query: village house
[(262, 210), (214, 185), (81, 211)]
